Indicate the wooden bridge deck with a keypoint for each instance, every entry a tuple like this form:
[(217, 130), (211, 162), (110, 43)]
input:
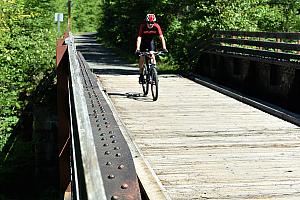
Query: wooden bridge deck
[(202, 144)]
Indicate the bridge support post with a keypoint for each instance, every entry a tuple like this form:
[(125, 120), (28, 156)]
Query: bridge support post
[(62, 63)]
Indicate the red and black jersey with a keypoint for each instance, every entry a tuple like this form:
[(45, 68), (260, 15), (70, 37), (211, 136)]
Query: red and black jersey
[(148, 35), (149, 32)]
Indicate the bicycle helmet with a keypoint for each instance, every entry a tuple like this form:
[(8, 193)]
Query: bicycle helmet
[(150, 18)]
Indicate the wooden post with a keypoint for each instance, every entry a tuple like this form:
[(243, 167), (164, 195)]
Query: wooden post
[(234, 37), (69, 15), (260, 48), (222, 43), (278, 40), (298, 42)]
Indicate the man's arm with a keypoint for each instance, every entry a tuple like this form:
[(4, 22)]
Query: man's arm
[(161, 36), (138, 42), (163, 42)]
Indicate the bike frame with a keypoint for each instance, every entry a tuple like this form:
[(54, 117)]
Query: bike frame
[(149, 63), (149, 59)]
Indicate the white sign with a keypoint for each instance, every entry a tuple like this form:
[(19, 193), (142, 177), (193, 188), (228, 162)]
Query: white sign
[(59, 17)]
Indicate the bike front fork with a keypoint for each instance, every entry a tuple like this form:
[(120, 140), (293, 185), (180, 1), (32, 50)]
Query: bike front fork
[(150, 71)]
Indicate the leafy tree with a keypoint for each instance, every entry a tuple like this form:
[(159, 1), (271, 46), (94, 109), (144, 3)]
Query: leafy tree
[(186, 24), (85, 15), (27, 48)]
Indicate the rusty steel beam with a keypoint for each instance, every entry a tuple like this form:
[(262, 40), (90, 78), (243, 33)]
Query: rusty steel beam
[(62, 63), (114, 157)]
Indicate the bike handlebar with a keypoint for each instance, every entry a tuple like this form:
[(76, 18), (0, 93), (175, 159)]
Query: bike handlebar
[(147, 53)]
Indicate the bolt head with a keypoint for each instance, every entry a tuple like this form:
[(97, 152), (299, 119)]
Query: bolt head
[(111, 176), (124, 186)]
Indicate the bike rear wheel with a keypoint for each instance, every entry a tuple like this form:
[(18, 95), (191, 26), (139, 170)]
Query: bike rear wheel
[(145, 84), (154, 84)]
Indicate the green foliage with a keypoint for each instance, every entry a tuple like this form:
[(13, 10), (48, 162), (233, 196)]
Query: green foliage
[(187, 24), (85, 15), (27, 48)]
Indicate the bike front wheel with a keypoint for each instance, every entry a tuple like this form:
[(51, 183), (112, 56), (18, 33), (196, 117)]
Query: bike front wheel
[(154, 84)]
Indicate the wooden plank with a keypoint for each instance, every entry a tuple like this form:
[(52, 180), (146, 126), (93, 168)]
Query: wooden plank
[(272, 45), (152, 187), (204, 145), (296, 65), (257, 53), (282, 35)]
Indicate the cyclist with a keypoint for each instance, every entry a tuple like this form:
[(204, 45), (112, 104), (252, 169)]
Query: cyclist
[(145, 40)]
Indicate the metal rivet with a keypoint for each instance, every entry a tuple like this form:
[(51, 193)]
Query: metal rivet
[(118, 155), (110, 132), (103, 138), (117, 148), (102, 134), (107, 153), (124, 186), (114, 141), (115, 198), (111, 176), (112, 136), (108, 163), (106, 145), (121, 166)]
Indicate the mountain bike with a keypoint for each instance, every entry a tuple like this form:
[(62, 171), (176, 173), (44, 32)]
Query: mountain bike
[(150, 74)]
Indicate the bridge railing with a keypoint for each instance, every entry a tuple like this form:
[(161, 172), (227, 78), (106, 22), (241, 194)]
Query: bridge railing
[(87, 181), (263, 64), (270, 46), (95, 161)]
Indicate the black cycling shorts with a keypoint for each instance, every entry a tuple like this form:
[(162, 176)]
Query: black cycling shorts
[(149, 45)]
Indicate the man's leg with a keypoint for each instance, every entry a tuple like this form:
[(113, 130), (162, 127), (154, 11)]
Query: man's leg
[(141, 67), (153, 58)]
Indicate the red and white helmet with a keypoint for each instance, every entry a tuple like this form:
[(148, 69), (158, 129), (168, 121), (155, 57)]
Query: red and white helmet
[(150, 18)]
